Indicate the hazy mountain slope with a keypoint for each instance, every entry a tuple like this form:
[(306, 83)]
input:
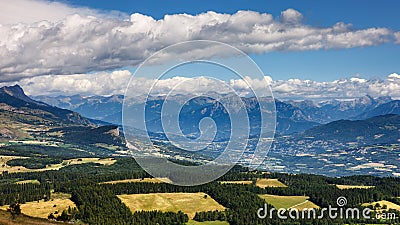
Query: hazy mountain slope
[(333, 110), (377, 130), (392, 107), (22, 117), (13, 99), (95, 107), (290, 119)]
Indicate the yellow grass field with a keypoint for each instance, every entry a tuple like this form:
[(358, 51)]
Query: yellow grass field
[(21, 169), (42, 208), (262, 183), (28, 182), (342, 187), (192, 222), (390, 205), (306, 205), (148, 180), (33, 142), (189, 203), (106, 161), (237, 182), (286, 202)]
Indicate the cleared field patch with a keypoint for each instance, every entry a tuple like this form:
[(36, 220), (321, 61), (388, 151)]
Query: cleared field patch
[(306, 205), (28, 182), (41, 209), (144, 180), (237, 182), (33, 142), (20, 169), (263, 183), (343, 187), (390, 205), (106, 161), (192, 222), (286, 202), (11, 169), (189, 203), (5, 158)]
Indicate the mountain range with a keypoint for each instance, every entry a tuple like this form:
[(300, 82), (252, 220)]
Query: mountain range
[(292, 116), (382, 129), (354, 129)]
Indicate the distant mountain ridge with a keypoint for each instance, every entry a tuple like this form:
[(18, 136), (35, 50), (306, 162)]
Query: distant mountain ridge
[(383, 129), (292, 116), (392, 107), (95, 107), (290, 119), (332, 110)]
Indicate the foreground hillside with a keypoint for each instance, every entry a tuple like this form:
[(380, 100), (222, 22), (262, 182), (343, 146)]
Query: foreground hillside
[(19, 113), (94, 198), (29, 127), (5, 219)]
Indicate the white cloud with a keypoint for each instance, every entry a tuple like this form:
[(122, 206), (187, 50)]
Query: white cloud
[(358, 80), (291, 16), (30, 11), (101, 83), (344, 88), (88, 41), (397, 37), (394, 76), (104, 83)]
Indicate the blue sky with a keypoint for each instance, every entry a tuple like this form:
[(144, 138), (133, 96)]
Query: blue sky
[(310, 49), (361, 13), (320, 65)]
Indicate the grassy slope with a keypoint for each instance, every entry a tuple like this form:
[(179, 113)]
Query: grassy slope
[(389, 205), (192, 222), (237, 182), (286, 202), (342, 187), (262, 183), (189, 203), (21, 169), (148, 180), (43, 208)]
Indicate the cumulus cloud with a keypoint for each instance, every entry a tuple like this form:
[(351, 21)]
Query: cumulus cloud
[(291, 16), (31, 11), (397, 36), (109, 83), (342, 89), (88, 41), (102, 83), (394, 76)]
